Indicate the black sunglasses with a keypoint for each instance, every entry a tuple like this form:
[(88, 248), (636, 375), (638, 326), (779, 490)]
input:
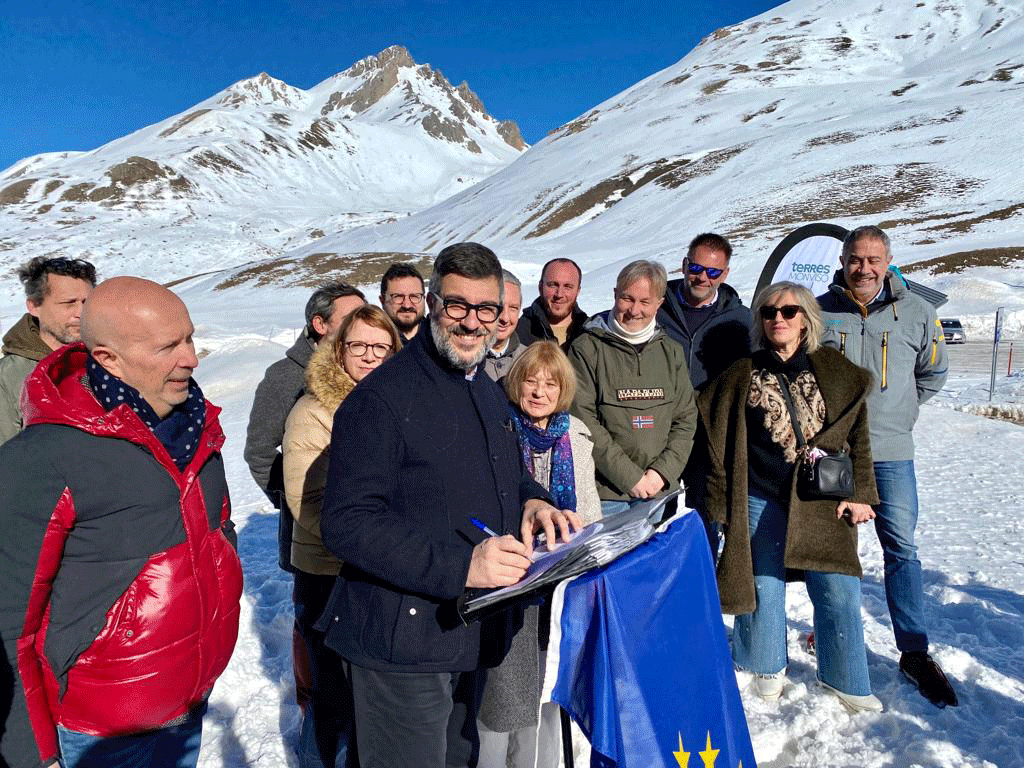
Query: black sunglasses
[(695, 269), (788, 311)]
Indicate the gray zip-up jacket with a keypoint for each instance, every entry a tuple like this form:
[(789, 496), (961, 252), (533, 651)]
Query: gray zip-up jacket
[(898, 338)]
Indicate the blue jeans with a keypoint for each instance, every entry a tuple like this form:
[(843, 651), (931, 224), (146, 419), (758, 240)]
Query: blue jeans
[(609, 508), (327, 738), (895, 521), (176, 746), (759, 638)]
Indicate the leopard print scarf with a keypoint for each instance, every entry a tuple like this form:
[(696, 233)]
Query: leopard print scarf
[(766, 396)]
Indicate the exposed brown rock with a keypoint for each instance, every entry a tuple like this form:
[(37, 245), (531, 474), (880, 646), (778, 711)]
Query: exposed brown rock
[(51, 186), (577, 125), (765, 110), (683, 172), (955, 263), (396, 56), (441, 127), (183, 121), (216, 161), (16, 192), (607, 193), (509, 131), (470, 97), (135, 170), (76, 193), (317, 134), (713, 87), (311, 271)]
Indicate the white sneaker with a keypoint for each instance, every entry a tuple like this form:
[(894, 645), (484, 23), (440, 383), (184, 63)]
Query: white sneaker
[(769, 687), (855, 704)]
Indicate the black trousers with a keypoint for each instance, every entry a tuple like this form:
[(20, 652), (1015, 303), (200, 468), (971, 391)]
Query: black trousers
[(422, 719), (327, 738)]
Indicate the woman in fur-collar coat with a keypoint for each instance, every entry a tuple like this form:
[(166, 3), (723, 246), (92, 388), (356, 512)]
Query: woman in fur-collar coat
[(364, 340), (771, 530)]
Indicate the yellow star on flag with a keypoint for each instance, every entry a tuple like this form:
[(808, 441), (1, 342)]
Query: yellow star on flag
[(709, 755), (683, 758)]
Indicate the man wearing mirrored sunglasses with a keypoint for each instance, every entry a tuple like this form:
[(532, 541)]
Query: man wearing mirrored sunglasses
[(703, 313), (706, 316)]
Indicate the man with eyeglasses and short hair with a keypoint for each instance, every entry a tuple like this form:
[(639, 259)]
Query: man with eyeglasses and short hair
[(55, 292), (427, 496), (401, 296)]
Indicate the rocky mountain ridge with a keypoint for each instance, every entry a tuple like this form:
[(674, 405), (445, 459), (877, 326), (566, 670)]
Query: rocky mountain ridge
[(264, 162)]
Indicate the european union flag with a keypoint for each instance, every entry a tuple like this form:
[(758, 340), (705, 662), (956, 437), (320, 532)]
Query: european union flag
[(639, 658)]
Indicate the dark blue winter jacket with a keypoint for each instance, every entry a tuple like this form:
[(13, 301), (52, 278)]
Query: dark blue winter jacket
[(416, 451)]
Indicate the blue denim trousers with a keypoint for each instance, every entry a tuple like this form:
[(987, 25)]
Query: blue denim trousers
[(176, 746), (895, 522), (759, 638)]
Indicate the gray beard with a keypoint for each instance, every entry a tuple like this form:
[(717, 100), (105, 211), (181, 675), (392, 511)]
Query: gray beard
[(442, 340)]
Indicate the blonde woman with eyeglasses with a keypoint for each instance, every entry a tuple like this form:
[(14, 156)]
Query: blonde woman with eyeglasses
[(365, 339)]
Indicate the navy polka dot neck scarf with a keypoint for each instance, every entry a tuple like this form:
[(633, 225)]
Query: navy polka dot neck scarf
[(179, 432)]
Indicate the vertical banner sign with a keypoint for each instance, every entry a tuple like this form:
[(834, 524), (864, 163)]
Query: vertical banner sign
[(995, 351), (808, 256)]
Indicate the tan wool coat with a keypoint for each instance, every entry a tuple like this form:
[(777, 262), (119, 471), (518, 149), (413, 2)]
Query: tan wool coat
[(815, 539), (306, 447)]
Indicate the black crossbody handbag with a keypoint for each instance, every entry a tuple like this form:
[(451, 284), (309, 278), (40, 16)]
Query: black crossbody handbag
[(829, 476)]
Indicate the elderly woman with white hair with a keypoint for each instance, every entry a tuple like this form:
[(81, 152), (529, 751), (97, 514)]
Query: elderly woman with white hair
[(634, 393), (776, 527)]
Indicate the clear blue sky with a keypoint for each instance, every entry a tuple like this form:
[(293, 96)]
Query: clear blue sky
[(77, 74)]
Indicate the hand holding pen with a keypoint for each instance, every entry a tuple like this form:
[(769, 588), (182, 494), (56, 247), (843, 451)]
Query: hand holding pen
[(497, 561)]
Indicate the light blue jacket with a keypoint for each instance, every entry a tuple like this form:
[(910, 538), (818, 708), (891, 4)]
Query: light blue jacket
[(899, 340)]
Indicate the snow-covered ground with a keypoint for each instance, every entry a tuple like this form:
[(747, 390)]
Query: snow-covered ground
[(970, 534)]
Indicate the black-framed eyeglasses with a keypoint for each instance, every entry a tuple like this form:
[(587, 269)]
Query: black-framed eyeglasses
[(401, 298), (788, 311), (695, 269), (358, 348), (457, 309)]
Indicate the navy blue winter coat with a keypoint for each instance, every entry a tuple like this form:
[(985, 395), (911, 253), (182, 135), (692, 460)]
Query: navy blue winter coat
[(416, 451)]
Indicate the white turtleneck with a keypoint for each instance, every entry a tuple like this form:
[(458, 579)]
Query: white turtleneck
[(633, 337)]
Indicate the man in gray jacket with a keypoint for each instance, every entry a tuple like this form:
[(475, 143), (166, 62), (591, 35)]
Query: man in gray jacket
[(506, 347), (873, 318), (281, 387), (55, 291)]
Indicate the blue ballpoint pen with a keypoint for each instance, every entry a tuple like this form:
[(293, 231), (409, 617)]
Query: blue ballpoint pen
[(483, 527)]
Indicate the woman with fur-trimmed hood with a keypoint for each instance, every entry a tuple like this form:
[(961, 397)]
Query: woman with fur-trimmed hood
[(365, 339), (772, 531)]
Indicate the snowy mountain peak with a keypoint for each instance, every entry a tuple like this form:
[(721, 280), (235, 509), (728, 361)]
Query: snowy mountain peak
[(262, 89), (392, 86), (390, 58)]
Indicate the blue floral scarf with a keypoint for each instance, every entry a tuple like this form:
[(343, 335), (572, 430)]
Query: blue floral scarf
[(555, 438)]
